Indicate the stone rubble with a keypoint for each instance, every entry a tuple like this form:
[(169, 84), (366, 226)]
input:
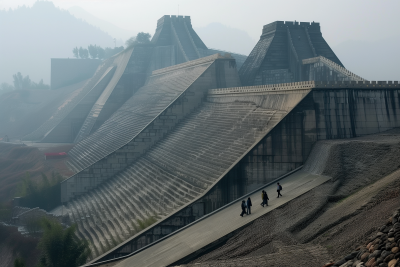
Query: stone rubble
[(381, 249)]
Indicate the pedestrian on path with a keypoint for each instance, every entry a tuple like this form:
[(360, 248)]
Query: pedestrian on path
[(243, 208), (265, 198), (279, 189), (249, 206), (262, 198)]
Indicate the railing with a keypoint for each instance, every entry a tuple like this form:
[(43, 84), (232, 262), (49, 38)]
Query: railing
[(332, 64), (305, 85)]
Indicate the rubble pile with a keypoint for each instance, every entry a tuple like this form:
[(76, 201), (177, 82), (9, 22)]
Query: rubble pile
[(381, 250)]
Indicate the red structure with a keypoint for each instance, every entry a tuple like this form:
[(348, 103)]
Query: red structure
[(55, 155)]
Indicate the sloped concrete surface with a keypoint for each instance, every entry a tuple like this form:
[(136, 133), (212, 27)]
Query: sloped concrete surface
[(222, 223)]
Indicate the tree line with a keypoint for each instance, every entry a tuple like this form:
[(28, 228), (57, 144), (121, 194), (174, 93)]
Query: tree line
[(55, 243), (23, 83), (45, 194), (94, 51)]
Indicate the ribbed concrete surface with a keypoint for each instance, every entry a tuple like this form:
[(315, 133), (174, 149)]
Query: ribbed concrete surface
[(222, 223)]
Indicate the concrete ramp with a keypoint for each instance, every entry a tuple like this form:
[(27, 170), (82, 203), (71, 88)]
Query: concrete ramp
[(211, 228)]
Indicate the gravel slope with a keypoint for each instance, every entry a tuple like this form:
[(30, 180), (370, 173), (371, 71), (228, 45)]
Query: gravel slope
[(330, 220)]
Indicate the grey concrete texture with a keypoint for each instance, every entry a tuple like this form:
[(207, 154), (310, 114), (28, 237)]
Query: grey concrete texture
[(69, 103), (284, 147), (282, 47), (209, 131), (67, 129), (168, 96), (221, 223), (337, 216)]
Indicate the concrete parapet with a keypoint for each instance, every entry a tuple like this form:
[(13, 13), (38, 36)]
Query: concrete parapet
[(281, 25), (332, 64), (191, 63), (306, 85)]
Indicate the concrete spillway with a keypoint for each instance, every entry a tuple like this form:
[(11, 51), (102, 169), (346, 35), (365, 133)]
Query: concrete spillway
[(219, 224)]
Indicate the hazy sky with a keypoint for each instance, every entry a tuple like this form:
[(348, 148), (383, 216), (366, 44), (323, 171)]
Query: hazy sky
[(341, 20)]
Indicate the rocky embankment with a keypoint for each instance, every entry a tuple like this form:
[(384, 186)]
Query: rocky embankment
[(381, 250), (329, 221)]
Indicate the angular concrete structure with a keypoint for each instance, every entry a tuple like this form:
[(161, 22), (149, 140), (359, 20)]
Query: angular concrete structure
[(176, 42), (115, 81), (279, 55), (83, 113), (169, 95), (271, 130), (163, 131)]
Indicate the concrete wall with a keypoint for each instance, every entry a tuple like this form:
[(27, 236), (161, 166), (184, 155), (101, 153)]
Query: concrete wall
[(221, 73), (323, 69), (67, 71), (282, 47), (330, 111)]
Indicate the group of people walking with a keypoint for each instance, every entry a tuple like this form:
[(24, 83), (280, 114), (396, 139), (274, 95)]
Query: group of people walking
[(246, 205)]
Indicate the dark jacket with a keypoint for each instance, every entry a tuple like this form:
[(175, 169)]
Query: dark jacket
[(249, 203), (243, 205)]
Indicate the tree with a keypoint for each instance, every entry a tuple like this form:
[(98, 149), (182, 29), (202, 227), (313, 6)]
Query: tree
[(26, 186), (21, 82), (131, 41), (93, 51), (76, 52), (100, 53), (143, 38), (40, 85), (109, 52), (60, 247), (83, 53)]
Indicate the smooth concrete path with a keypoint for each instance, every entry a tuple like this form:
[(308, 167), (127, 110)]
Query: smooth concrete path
[(222, 223)]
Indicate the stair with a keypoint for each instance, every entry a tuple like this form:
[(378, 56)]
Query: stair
[(173, 172), (301, 43), (185, 39)]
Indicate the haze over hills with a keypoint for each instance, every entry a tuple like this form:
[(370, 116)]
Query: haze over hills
[(219, 36), (372, 60), (32, 35), (116, 32)]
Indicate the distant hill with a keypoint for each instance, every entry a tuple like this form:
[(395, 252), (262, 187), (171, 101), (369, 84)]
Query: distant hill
[(116, 32), (219, 36), (30, 36), (374, 60)]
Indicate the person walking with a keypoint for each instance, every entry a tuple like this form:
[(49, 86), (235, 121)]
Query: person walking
[(279, 189), (249, 206), (265, 198), (262, 198), (243, 208)]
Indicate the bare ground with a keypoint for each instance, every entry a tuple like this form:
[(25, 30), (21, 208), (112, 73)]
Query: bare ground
[(329, 221), (17, 160)]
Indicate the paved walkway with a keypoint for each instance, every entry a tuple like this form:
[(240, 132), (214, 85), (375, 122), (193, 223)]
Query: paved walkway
[(221, 223)]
